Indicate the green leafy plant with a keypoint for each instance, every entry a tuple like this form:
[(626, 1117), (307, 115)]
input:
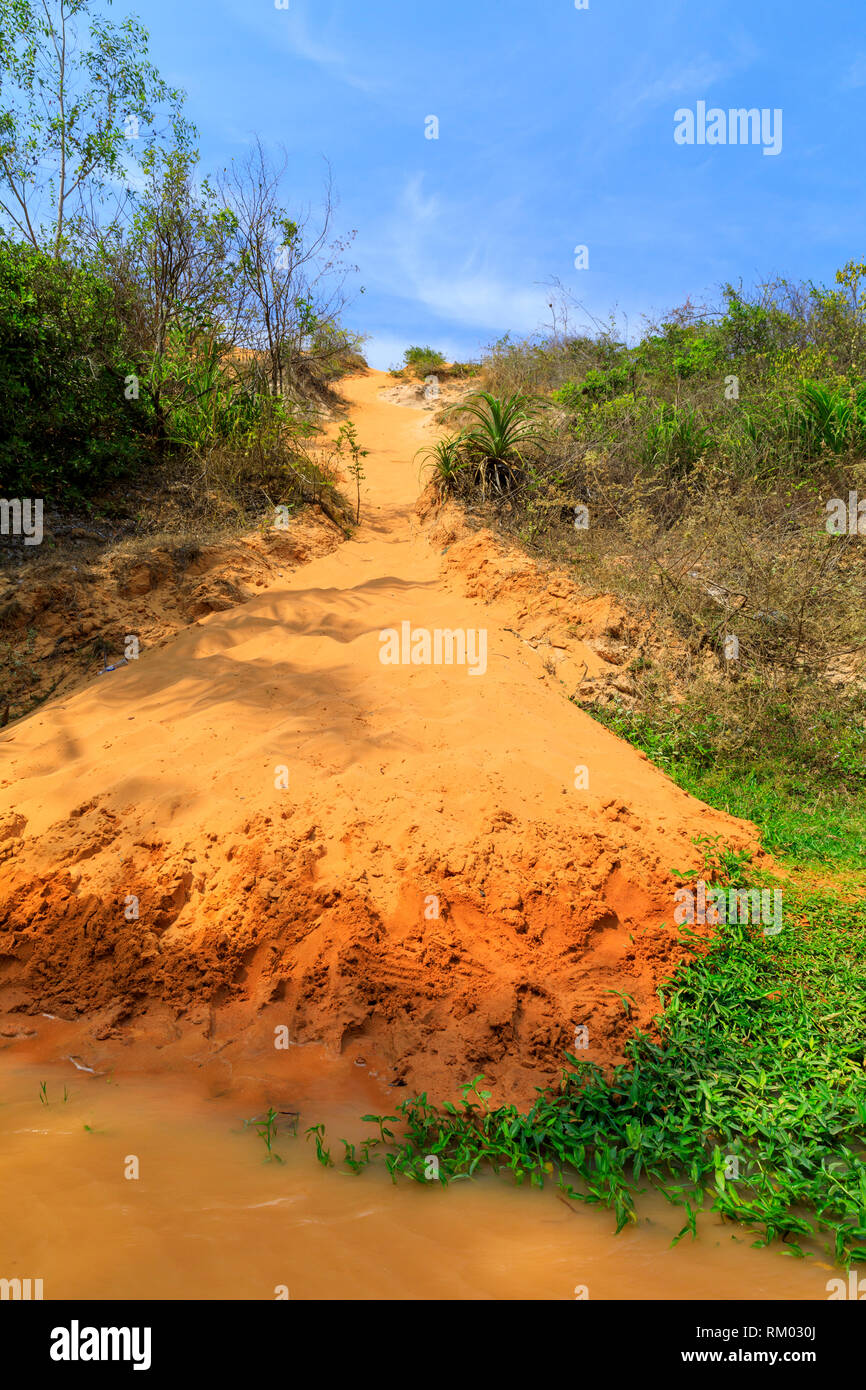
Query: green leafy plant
[(675, 440), (423, 361), (597, 385), (323, 1155), (347, 440), (831, 419), (66, 425), (495, 445), (722, 863), (266, 1128), (353, 1161), (445, 462)]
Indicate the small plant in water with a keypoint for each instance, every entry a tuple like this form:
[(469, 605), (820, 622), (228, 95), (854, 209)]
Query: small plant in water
[(266, 1129), (358, 1164), (322, 1154), (381, 1120)]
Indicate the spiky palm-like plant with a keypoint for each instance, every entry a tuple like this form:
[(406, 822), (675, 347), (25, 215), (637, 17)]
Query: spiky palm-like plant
[(835, 420), (445, 462), (494, 444)]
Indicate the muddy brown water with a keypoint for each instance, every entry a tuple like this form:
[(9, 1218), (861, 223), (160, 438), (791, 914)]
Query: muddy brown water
[(208, 1217)]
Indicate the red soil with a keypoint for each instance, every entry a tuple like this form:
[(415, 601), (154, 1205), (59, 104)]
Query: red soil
[(313, 906)]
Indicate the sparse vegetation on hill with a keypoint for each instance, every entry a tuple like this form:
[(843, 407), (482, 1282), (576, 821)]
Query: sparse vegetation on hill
[(169, 340)]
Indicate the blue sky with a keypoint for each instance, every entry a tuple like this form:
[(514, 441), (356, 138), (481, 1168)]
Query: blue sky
[(556, 129)]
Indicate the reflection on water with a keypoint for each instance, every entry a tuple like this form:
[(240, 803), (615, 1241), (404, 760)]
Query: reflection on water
[(151, 1187)]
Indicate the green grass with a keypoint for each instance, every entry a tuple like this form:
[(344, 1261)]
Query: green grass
[(807, 829), (750, 1098), (751, 1101), (808, 820)]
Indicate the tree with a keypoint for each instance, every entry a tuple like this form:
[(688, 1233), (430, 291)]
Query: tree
[(71, 114), (172, 267), (66, 424), (290, 276)]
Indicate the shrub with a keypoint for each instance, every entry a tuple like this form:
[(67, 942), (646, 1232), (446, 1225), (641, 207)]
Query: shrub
[(423, 360), (702, 356), (445, 463), (596, 386), (675, 440), (494, 444), (66, 427), (832, 419)]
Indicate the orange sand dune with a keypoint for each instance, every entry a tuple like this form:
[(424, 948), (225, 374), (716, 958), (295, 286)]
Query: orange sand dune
[(411, 789)]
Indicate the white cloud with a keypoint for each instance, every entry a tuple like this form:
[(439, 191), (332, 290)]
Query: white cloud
[(294, 33), (856, 74), (638, 93), (679, 81), (483, 302), (425, 253)]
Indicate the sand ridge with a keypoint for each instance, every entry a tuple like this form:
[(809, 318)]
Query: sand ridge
[(429, 892)]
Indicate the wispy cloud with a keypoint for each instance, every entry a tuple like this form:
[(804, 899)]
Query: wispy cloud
[(644, 89), (698, 76), (856, 74), (292, 31), (426, 253), (483, 301), (295, 34)]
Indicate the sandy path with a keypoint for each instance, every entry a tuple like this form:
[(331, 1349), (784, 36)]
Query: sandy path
[(412, 790)]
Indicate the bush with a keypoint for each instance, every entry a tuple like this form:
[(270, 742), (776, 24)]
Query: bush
[(596, 386), (464, 369), (66, 427), (675, 440), (493, 446), (423, 360), (832, 420)]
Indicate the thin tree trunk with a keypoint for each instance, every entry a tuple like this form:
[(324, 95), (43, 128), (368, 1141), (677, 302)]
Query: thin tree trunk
[(61, 191)]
